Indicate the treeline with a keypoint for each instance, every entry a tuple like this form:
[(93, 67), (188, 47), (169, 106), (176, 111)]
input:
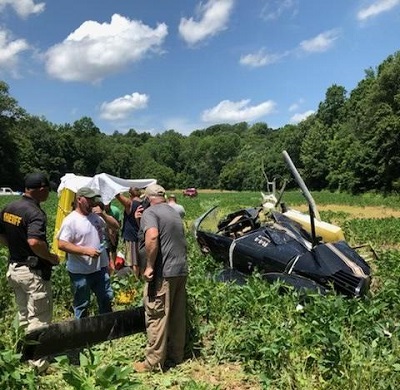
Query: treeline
[(351, 143)]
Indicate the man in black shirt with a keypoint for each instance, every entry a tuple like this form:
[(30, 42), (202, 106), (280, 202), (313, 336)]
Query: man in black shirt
[(130, 229), (23, 230)]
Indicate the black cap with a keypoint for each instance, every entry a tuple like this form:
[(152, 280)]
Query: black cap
[(36, 180)]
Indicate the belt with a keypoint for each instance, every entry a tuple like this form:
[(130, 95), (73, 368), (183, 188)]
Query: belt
[(30, 261), (18, 264)]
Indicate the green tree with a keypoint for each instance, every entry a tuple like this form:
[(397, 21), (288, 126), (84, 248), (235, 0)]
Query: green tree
[(121, 160), (10, 114), (40, 147), (331, 110), (87, 146), (342, 155), (314, 155), (373, 114), (166, 149)]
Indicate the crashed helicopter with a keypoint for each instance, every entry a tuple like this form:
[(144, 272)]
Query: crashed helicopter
[(298, 249)]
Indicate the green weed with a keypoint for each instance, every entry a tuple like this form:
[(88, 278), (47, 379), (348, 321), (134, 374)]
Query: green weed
[(287, 341), (93, 374)]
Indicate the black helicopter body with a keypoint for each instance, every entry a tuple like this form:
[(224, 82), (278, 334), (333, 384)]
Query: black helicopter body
[(281, 248)]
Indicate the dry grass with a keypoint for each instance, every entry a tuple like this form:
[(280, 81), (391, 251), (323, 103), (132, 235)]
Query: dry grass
[(224, 376), (357, 212)]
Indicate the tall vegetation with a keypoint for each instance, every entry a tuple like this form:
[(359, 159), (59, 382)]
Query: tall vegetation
[(278, 341), (350, 144)]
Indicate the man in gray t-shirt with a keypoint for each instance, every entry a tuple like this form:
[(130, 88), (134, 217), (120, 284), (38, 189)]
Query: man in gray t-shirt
[(163, 246), (176, 206)]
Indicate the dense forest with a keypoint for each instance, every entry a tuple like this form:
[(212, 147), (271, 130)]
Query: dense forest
[(351, 143)]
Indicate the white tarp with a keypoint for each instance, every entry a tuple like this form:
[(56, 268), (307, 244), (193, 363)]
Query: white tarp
[(107, 185)]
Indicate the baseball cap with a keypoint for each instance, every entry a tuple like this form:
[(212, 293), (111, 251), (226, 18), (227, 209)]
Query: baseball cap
[(36, 180), (89, 193), (154, 190)]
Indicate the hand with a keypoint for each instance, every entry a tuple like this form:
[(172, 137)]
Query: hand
[(148, 274), (92, 252), (54, 260), (139, 212), (97, 210)]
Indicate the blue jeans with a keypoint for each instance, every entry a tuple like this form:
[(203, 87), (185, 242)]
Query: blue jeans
[(83, 284)]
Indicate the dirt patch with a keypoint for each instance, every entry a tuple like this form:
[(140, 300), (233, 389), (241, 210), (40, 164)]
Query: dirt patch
[(228, 376), (223, 376), (357, 212)]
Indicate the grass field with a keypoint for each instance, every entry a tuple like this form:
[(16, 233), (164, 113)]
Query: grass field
[(248, 337)]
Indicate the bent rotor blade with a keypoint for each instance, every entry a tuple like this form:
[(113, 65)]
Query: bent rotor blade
[(58, 337)]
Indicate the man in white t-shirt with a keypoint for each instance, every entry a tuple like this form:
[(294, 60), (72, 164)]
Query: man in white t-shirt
[(82, 236)]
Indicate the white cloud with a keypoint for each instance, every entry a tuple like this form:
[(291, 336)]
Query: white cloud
[(273, 9), (295, 106), (296, 118), (234, 112), (260, 58), (23, 8), (9, 52), (377, 7), (122, 107), (213, 18), (321, 42), (95, 50)]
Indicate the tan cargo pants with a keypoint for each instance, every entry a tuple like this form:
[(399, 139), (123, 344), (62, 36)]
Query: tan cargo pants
[(165, 315), (33, 297)]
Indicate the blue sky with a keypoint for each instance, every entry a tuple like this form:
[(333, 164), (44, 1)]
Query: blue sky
[(154, 65)]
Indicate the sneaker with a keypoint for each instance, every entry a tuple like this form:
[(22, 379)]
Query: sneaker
[(141, 367), (40, 366)]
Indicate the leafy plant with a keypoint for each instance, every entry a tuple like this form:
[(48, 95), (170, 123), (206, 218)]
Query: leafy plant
[(192, 385), (12, 375), (93, 374), (127, 290)]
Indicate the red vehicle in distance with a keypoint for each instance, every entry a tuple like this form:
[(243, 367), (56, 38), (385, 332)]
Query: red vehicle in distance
[(191, 192)]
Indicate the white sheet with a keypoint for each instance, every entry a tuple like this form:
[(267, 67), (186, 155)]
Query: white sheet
[(107, 185)]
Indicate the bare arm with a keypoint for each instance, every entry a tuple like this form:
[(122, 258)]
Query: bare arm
[(40, 249), (111, 222), (151, 244), (69, 247), (125, 201)]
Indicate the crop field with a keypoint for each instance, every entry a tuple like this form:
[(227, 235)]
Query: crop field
[(243, 337)]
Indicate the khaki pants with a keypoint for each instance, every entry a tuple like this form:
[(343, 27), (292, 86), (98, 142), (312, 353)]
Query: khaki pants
[(33, 297), (165, 315)]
